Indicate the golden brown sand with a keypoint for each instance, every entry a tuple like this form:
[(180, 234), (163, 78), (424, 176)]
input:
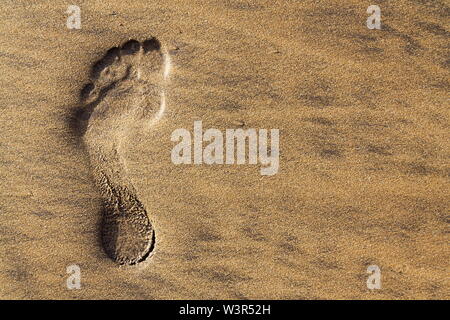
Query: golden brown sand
[(364, 151)]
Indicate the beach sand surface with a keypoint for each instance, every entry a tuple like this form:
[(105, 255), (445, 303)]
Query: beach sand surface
[(364, 151)]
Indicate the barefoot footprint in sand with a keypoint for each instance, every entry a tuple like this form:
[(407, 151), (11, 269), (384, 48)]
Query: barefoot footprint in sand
[(126, 93)]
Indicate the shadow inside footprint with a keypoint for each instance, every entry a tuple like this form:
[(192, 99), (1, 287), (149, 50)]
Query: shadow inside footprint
[(127, 234), (108, 59)]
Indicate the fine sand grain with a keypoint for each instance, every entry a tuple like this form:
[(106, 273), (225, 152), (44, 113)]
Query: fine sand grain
[(86, 176)]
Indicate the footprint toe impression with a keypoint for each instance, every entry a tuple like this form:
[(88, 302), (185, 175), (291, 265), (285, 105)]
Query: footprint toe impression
[(112, 108)]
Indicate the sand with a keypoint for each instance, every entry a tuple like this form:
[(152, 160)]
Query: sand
[(363, 118)]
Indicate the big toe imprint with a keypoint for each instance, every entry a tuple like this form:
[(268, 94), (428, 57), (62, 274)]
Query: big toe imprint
[(125, 91)]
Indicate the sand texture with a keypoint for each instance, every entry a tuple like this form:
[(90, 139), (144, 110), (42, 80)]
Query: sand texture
[(87, 178)]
